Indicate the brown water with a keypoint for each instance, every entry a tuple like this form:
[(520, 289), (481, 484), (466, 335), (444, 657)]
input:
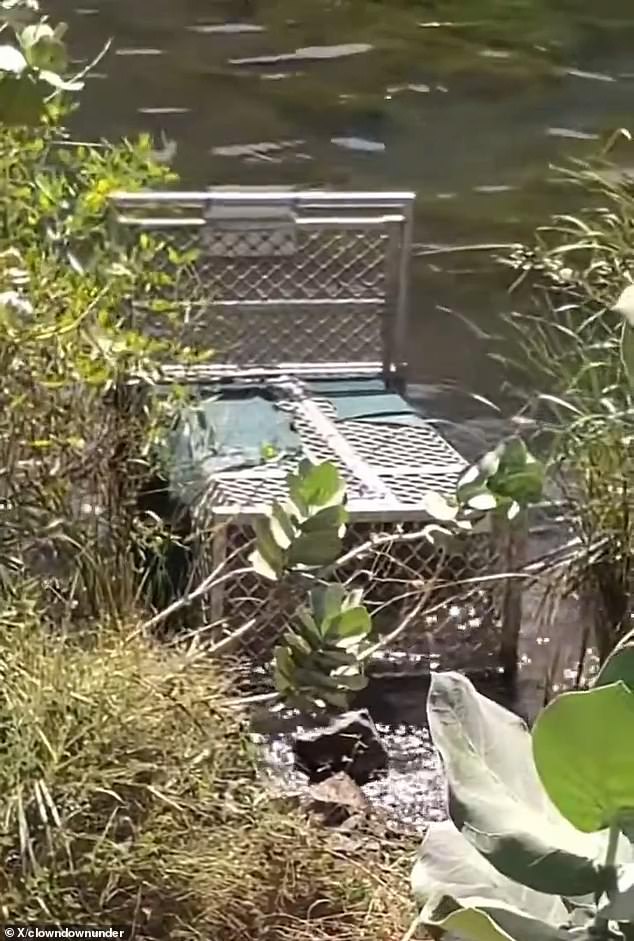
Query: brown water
[(467, 102)]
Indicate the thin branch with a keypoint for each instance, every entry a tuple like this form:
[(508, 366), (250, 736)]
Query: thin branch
[(227, 641), (91, 65), (455, 249), (212, 581)]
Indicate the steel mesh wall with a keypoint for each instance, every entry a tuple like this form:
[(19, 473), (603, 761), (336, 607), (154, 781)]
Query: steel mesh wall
[(308, 284), (457, 624)]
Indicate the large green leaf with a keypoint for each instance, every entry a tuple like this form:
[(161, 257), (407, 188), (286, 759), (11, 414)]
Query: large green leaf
[(318, 485), (463, 894), (281, 526), (473, 921), (619, 665), (315, 549), (355, 622), (583, 745), (268, 559), (496, 798), (12, 60), (21, 99), (44, 48), (331, 518), (326, 602)]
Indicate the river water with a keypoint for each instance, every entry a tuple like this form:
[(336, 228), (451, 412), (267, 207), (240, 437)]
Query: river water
[(467, 102)]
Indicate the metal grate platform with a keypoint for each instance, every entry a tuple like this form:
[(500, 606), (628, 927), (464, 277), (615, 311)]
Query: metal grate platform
[(388, 468)]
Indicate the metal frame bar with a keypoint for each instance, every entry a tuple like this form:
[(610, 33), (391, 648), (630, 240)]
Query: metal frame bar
[(390, 212)]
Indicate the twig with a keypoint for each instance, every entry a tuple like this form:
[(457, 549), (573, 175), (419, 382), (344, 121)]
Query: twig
[(88, 68), (455, 249), (413, 928), (375, 542), (249, 700), (212, 581), (84, 72), (393, 635), (231, 638)]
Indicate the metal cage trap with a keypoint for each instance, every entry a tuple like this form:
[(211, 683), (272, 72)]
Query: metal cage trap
[(303, 298)]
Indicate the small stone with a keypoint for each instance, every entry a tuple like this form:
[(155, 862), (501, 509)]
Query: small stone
[(337, 801)]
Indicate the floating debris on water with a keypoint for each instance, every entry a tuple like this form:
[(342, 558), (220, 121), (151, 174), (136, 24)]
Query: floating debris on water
[(139, 52), (166, 110), (211, 28), (308, 53), (359, 143), (420, 89), (261, 149), (592, 76), (495, 54), (571, 133)]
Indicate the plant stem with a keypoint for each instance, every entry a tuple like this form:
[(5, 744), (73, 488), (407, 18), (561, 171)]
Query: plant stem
[(601, 928), (613, 840)]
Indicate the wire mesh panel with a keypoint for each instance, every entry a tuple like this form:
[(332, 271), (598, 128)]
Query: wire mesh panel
[(429, 609), (291, 289), (264, 277), (432, 599)]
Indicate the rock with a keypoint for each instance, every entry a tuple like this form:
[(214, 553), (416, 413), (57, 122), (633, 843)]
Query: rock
[(338, 800), (350, 744)]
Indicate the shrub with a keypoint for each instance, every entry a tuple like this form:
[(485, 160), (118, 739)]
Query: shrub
[(575, 349)]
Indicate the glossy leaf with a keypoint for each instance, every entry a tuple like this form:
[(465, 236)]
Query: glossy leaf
[(355, 622), (619, 666), (331, 518), (462, 893), (583, 750), (43, 48), (21, 100), (323, 663), (496, 798), (268, 559), (477, 921), (318, 485), (326, 602), (281, 527), (315, 549), (12, 60)]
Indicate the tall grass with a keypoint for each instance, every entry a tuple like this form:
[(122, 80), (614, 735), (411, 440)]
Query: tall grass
[(129, 797), (566, 284)]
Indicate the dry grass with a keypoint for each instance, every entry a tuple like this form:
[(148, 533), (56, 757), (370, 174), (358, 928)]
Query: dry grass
[(129, 796)]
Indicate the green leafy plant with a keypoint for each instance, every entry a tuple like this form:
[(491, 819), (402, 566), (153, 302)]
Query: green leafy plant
[(33, 64), (503, 484), (320, 662), (307, 530), (573, 362), (539, 841), (507, 480), (318, 665)]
